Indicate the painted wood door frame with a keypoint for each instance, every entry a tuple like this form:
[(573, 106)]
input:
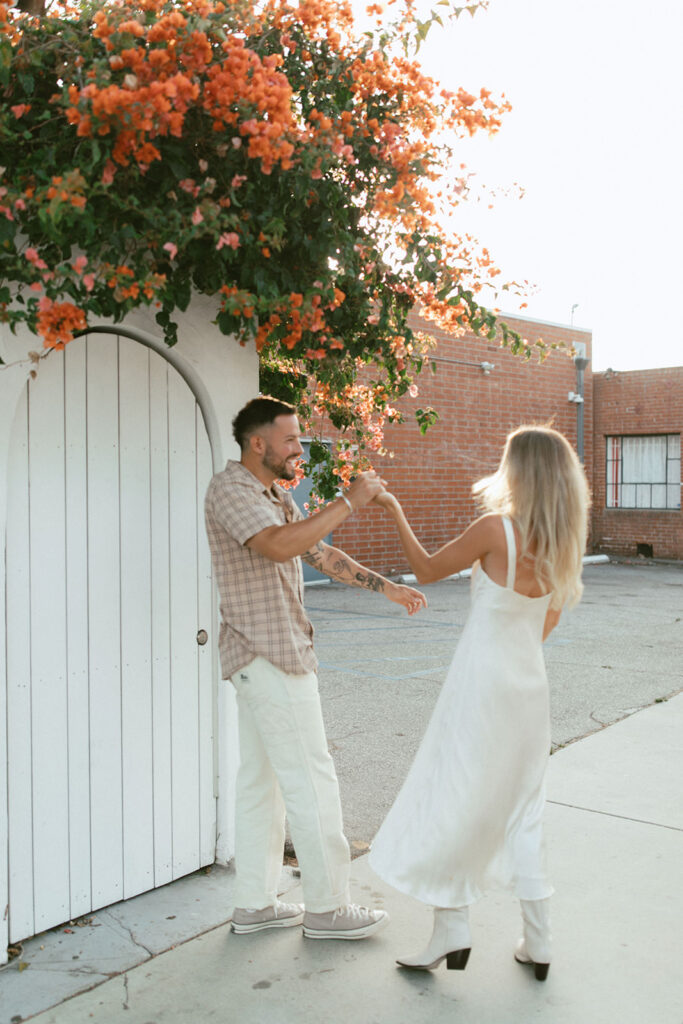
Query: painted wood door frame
[(12, 382)]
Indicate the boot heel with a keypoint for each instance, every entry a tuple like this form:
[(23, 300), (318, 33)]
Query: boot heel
[(541, 971), (457, 961)]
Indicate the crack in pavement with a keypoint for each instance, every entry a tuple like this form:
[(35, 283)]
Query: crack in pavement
[(612, 814), (128, 930)]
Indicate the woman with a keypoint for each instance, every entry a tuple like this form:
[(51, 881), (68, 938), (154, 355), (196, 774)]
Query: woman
[(469, 814)]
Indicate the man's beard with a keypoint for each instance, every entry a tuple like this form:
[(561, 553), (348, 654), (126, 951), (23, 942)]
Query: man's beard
[(282, 469)]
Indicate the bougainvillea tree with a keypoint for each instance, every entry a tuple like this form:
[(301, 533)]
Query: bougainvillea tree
[(265, 152)]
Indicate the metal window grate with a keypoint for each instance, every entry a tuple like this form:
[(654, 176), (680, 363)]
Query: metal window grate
[(643, 471)]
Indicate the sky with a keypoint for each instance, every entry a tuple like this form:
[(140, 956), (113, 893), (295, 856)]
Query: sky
[(595, 140)]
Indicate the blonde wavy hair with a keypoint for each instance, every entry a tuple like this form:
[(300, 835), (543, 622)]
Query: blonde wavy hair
[(540, 483)]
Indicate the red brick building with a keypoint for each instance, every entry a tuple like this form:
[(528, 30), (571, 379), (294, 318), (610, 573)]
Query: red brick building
[(637, 424), (482, 392)]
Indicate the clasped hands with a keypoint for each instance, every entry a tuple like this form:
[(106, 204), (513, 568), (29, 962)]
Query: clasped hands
[(369, 487)]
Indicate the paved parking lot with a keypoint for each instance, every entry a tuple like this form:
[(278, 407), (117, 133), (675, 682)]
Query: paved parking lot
[(380, 672)]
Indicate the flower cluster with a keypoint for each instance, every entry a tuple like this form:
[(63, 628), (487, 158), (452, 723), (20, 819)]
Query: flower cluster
[(267, 154)]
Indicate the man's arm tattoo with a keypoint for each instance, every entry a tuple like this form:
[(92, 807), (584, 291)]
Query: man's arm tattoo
[(355, 575), (315, 556), (370, 581), (339, 567)]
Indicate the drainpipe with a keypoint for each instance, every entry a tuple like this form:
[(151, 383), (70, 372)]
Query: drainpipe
[(580, 362)]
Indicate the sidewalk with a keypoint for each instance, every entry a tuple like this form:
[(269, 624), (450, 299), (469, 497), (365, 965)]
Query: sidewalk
[(614, 826)]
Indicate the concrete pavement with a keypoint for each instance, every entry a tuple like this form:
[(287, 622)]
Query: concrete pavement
[(614, 825), (619, 650)]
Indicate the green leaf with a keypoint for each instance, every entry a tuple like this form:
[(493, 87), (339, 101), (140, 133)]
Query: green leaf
[(5, 60), (27, 82), (8, 229)]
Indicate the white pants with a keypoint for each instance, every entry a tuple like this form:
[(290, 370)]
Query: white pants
[(285, 765)]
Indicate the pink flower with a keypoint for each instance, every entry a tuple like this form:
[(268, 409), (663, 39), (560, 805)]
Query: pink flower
[(108, 172), (20, 205), (197, 217), (171, 249), (20, 109), (373, 318), (89, 282), (230, 238), (237, 142), (238, 180), (79, 264), (413, 391), (32, 256)]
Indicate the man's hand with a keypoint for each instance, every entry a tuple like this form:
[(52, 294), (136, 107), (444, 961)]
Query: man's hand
[(364, 489), (412, 600)]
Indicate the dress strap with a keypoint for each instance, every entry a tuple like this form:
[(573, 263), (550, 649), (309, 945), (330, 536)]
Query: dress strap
[(512, 553)]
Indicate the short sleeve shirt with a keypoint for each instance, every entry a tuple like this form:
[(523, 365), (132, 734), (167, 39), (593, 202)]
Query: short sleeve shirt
[(261, 601)]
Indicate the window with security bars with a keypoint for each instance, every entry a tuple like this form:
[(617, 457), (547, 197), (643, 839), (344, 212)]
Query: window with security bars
[(644, 471)]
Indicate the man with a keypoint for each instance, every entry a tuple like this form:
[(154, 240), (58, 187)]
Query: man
[(257, 537)]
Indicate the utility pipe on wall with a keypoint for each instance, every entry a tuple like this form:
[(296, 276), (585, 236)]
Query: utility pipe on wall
[(580, 362)]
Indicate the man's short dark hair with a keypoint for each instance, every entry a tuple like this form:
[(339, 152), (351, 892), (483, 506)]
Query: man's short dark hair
[(259, 412)]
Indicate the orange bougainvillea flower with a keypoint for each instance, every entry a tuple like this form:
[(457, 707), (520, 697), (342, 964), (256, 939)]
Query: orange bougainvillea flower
[(271, 155), (57, 322)]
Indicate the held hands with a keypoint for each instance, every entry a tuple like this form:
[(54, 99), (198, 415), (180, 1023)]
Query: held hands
[(364, 489), (386, 500), (412, 600)]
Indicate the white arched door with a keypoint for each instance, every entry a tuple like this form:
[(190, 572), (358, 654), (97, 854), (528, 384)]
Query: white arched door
[(109, 687)]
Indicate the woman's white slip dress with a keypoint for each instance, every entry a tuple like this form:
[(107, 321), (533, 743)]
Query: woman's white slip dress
[(469, 814)]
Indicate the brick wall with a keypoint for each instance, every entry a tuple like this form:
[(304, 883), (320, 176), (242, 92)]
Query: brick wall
[(432, 475), (635, 402)]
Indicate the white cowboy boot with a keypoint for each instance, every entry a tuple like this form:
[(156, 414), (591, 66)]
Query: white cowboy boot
[(536, 948), (450, 941)]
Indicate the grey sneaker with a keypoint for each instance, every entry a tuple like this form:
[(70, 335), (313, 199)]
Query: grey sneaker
[(281, 915), (349, 922)]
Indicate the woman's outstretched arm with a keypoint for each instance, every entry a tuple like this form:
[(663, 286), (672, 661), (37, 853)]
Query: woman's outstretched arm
[(477, 540)]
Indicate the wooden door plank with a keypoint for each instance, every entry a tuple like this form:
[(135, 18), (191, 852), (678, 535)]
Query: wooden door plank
[(104, 606), (183, 577), (18, 660), (136, 610), (161, 622), (76, 497), (48, 645), (205, 666)]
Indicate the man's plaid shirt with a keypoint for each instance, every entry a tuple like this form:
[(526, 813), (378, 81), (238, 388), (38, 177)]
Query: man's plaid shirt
[(261, 601)]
